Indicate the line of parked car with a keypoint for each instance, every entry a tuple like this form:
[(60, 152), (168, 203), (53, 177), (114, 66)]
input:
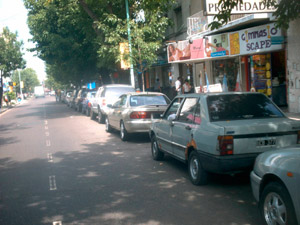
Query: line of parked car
[(212, 133)]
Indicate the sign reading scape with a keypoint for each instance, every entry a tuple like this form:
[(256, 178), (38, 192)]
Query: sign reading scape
[(263, 38), (248, 6)]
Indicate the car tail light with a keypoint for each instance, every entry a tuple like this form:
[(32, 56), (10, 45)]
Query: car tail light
[(298, 138), (225, 145), (103, 102), (140, 115)]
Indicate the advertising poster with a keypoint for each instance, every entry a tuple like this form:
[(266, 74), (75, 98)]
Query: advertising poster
[(197, 49), (234, 39), (217, 45), (260, 39), (178, 51)]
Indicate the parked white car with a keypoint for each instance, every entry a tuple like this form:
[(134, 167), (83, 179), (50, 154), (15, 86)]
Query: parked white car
[(275, 182), (221, 132)]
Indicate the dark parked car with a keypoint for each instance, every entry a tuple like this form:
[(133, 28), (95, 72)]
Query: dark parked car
[(86, 103)]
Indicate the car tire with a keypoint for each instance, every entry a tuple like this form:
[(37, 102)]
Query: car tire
[(198, 175), (108, 128), (93, 115), (123, 132), (101, 117), (157, 154), (275, 200), (87, 112), (82, 110)]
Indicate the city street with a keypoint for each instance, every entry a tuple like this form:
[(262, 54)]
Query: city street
[(57, 166)]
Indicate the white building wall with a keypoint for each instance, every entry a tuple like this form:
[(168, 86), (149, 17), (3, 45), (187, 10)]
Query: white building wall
[(293, 66)]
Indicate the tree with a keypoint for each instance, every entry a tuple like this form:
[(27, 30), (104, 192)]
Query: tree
[(11, 57), (64, 39), (29, 78), (148, 24), (286, 11)]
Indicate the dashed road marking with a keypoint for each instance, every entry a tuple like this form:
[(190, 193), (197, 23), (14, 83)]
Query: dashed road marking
[(48, 143), (47, 134), (50, 158), (52, 183), (46, 127), (46, 122)]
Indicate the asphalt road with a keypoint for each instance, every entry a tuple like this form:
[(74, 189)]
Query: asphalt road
[(58, 166)]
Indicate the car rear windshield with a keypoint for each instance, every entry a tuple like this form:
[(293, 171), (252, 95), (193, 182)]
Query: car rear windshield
[(140, 100), (241, 106), (117, 91)]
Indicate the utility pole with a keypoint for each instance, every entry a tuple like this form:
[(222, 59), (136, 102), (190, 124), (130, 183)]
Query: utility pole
[(129, 43), (20, 85)]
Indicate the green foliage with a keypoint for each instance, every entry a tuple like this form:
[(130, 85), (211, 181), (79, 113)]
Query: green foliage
[(29, 77), (11, 57), (80, 38), (286, 11)]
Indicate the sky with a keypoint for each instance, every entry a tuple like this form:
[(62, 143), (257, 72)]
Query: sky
[(13, 15)]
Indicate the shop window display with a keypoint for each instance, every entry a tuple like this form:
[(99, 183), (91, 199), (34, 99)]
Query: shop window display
[(228, 67)]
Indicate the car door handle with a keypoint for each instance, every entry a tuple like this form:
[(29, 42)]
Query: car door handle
[(188, 128)]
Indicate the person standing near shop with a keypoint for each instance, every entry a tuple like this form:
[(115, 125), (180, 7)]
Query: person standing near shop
[(187, 87), (178, 86), (157, 87)]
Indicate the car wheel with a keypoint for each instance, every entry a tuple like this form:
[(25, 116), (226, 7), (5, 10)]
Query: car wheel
[(157, 154), (275, 205), (87, 111), (101, 117), (82, 110), (107, 126), (197, 174), (123, 132), (93, 115)]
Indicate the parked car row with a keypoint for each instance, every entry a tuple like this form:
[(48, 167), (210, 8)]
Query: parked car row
[(223, 133)]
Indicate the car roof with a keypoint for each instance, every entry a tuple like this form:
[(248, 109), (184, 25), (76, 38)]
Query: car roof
[(145, 93), (117, 85), (218, 94)]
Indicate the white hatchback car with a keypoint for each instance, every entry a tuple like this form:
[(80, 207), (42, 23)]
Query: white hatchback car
[(275, 182)]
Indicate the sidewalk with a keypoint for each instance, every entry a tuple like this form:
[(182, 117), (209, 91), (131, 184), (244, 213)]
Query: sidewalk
[(4, 107)]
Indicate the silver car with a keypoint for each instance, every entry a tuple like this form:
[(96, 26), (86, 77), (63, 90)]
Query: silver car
[(107, 94), (275, 182), (131, 113), (221, 132)]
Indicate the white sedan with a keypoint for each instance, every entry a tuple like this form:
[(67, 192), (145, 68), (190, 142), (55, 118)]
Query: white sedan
[(275, 182)]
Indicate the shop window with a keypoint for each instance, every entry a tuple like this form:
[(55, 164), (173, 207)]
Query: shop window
[(228, 67)]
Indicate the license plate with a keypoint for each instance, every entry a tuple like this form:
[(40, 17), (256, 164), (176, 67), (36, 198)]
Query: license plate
[(266, 142)]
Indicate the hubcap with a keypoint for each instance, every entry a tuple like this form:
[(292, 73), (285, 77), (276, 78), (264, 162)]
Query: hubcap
[(194, 168), (274, 210)]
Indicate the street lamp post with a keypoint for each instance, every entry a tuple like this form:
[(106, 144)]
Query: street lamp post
[(129, 43), (20, 85)]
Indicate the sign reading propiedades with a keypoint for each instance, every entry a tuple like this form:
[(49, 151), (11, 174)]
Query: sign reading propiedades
[(246, 6), (257, 39)]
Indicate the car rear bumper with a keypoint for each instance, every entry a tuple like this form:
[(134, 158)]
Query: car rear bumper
[(255, 183), (138, 126), (227, 164)]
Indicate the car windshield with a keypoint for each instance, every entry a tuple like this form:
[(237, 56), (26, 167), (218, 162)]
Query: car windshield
[(140, 100), (241, 106), (117, 91)]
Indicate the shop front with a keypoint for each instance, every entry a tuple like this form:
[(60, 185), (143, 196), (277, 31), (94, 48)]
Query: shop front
[(251, 59)]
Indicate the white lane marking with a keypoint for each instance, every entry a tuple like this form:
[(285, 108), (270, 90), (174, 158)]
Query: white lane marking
[(50, 158), (52, 183), (57, 223), (47, 134), (46, 127), (48, 143), (46, 122)]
